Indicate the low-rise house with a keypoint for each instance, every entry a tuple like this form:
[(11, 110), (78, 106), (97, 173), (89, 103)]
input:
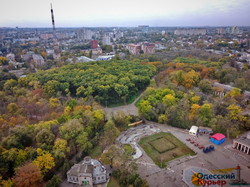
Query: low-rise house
[(11, 56), (28, 56), (50, 51), (38, 59), (88, 173)]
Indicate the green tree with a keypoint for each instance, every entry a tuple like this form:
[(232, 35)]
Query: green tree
[(51, 87), (55, 181), (205, 114), (9, 85), (81, 91), (235, 92), (107, 48), (234, 113), (111, 132), (163, 118), (178, 114), (195, 100), (72, 103), (45, 136), (205, 86), (19, 138), (121, 90), (145, 108), (169, 100), (242, 84), (71, 129), (54, 103), (15, 157), (83, 142), (112, 153), (60, 148)]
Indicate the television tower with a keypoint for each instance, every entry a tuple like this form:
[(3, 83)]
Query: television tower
[(53, 21), (56, 45)]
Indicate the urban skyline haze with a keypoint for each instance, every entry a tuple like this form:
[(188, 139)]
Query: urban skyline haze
[(95, 13)]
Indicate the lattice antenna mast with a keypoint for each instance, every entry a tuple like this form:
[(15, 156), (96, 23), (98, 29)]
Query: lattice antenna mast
[(56, 45), (53, 21)]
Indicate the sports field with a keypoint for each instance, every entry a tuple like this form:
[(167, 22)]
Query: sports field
[(163, 147)]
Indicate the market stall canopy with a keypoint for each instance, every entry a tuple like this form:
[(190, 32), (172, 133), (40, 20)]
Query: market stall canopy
[(217, 138)]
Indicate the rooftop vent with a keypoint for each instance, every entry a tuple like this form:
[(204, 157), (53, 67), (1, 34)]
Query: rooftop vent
[(87, 160)]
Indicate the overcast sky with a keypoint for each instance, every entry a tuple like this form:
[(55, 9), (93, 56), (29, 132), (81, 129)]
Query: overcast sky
[(79, 13)]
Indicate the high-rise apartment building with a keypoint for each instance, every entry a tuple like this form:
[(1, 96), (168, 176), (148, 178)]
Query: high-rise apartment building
[(106, 40), (85, 34)]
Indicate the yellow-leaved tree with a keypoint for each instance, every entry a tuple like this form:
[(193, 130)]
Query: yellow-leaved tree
[(44, 161)]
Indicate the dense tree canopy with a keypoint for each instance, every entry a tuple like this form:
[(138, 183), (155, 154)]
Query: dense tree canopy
[(49, 144), (109, 82)]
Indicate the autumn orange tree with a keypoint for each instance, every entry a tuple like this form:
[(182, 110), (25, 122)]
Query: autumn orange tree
[(28, 175), (186, 79)]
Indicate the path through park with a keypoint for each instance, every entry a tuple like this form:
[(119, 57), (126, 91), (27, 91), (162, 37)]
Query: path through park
[(127, 109)]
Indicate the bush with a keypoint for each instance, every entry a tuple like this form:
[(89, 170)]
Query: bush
[(127, 179), (55, 181)]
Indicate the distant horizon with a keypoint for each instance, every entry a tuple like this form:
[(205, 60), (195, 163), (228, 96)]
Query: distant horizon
[(63, 27), (129, 13)]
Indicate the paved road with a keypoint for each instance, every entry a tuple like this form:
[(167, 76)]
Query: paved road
[(129, 109)]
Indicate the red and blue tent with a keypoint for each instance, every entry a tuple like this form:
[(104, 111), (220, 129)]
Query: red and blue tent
[(217, 138)]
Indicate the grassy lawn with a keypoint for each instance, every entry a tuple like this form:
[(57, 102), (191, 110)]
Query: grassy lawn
[(129, 150), (113, 182), (163, 147)]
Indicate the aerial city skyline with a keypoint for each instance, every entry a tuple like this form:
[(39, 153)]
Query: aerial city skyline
[(129, 13), (124, 93)]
